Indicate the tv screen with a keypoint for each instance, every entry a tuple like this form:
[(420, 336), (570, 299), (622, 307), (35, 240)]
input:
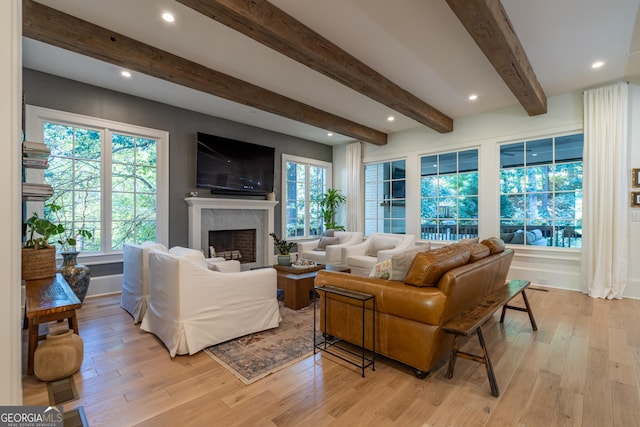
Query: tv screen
[(228, 166)]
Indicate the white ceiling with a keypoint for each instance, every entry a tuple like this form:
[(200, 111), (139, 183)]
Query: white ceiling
[(418, 44)]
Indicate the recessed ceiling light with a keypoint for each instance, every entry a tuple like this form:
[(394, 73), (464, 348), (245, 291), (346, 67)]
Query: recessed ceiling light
[(329, 134), (473, 97), (597, 64), (125, 74), (168, 17), (390, 118)]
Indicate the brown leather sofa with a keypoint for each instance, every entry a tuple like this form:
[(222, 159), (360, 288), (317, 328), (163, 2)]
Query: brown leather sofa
[(409, 314)]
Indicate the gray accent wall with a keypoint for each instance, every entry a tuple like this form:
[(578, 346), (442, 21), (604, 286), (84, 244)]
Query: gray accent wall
[(49, 91)]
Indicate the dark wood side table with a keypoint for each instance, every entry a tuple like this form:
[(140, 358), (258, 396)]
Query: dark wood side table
[(48, 300), (296, 283)]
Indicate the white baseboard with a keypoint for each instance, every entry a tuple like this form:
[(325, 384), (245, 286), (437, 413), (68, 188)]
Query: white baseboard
[(105, 285)]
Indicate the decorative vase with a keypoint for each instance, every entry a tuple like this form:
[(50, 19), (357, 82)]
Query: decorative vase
[(59, 356), (284, 260), (76, 275)]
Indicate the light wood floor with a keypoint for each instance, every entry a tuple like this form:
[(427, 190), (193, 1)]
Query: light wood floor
[(581, 368)]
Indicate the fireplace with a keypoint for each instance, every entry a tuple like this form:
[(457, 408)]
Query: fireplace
[(237, 245), (209, 213)]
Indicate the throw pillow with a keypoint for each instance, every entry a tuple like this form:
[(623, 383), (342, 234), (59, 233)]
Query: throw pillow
[(518, 238), (378, 244), (401, 262), (382, 270), (506, 237), (494, 244), (326, 241), (328, 233), (428, 267)]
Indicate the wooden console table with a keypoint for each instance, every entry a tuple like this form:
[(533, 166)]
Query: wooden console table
[(297, 283), (48, 300), (471, 321)]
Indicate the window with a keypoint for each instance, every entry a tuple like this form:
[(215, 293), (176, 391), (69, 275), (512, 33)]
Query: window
[(541, 192), (449, 195), (306, 181), (384, 197), (109, 178)]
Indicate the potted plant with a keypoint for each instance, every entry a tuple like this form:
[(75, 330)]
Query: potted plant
[(329, 204), (283, 247), (77, 275), (38, 254)]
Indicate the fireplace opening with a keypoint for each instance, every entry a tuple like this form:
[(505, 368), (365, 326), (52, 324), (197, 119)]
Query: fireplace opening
[(237, 245)]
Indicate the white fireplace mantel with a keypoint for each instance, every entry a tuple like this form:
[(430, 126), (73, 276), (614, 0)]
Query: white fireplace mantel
[(197, 204)]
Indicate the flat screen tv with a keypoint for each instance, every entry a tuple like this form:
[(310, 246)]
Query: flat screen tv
[(227, 166)]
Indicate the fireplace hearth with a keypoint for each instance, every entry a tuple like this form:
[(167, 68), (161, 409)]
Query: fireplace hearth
[(237, 245)]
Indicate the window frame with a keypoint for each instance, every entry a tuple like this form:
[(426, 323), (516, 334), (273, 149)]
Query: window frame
[(308, 162), (554, 220), (457, 197), (391, 181), (35, 117)]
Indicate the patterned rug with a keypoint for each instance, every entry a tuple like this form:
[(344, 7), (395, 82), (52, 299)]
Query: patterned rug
[(257, 355)]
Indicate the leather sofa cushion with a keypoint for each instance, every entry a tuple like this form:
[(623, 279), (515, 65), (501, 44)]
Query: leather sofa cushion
[(494, 244), (478, 251), (428, 267)]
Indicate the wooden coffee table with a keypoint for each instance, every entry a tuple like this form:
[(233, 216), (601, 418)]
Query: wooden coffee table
[(297, 283)]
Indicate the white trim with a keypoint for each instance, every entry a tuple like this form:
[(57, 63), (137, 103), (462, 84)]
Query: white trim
[(10, 214), (35, 118), (197, 204)]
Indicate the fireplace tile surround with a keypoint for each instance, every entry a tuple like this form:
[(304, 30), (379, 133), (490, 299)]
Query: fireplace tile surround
[(208, 213)]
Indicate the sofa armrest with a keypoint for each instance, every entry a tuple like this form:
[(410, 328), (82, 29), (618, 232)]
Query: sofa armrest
[(355, 250), (307, 246), (395, 298)]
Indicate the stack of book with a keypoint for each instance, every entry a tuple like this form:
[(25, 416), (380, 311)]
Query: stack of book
[(35, 155), (36, 192)]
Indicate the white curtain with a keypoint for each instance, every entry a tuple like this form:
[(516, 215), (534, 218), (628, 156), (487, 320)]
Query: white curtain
[(354, 186), (605, 191)]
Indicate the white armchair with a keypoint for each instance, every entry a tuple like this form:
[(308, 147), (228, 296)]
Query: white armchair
[(135, 278), (377, 248), (331, 253), (192, 307)]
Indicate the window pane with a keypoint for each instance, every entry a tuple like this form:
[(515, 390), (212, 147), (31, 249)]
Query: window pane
[(122, 149), (145, 179), (512, 180), (539, 152), (468, 161), (448, 163), (539, 178), (569, 148), (123, 178), (540, 205), (568, 176), (429, 165), (384, 193), (448, 185), (512, 206), (468, 184), (468, 207), (512, 155)]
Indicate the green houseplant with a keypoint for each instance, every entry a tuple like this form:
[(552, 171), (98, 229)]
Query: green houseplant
[(283, 247), (329, 204), (38, 253)]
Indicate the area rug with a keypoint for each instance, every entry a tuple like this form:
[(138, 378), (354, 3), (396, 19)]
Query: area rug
[(257, 355)]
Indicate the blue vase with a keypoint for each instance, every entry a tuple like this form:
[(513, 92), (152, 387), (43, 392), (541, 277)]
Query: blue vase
[(77, 275)]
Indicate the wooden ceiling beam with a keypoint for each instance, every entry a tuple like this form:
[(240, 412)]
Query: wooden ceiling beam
[(488, 24), (272, 27), (53, 27)]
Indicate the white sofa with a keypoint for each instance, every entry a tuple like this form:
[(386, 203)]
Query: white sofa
[(135, 278), (378, 247), (192, 307), (331, 253), (135, 274)]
